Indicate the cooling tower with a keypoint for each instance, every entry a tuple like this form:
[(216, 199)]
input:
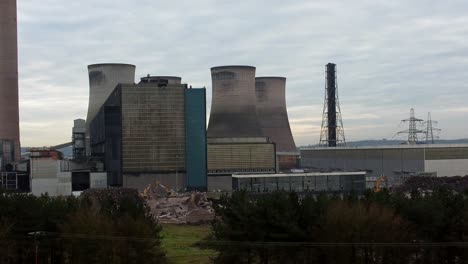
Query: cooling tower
[(9, 114), (103, 78), (272, 113), (233, 110)]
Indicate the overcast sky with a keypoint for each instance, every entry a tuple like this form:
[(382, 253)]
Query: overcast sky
[(390, 55)]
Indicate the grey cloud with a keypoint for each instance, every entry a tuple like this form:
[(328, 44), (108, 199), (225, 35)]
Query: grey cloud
[(391, 56)]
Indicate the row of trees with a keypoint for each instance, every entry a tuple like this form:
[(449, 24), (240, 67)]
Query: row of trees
[(102, 226), (379, 227)]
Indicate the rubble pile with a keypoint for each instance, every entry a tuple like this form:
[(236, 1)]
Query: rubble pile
[(179, 208)]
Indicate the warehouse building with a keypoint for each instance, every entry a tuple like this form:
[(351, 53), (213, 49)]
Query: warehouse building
[(152, 132), (338, 182), (51, 174), (394, 162)]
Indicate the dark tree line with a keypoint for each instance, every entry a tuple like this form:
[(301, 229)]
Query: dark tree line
[(379, 227), (102, 226)]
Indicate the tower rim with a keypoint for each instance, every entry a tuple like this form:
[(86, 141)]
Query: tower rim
[(95, 65), (233, 66)]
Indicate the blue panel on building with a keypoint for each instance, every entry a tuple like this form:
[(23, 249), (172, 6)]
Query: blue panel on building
[(195, 144)]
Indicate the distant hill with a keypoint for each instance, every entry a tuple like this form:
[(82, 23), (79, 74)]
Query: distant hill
[(384, 142)]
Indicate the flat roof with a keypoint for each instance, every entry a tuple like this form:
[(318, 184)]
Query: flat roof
[(308, 174), (420, 146)]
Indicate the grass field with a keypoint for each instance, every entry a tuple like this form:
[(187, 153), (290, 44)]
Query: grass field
[(179, 240)]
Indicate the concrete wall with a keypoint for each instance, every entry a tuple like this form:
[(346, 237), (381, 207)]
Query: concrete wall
[(98, 180), (42, 186), (44, 168), (64, 183), (450, 167), (220, 183), (141, 180)]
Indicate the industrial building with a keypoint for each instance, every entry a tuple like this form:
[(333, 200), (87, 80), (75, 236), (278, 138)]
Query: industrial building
[(51, 174), (227, 156), (394, 162), (103, 78), (9, 113), (339, 182), (152, 131), (79, 139), (272, 113)]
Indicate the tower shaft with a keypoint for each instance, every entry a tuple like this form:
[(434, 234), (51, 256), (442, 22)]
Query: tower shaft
[(331, 104), (9, 110), (332, 132)]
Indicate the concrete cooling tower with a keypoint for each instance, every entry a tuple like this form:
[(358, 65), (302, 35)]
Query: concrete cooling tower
[(103, 78), (9, 113), (272, 113), (233, 111)]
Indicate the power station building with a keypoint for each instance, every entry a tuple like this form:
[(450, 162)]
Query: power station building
[(103, 78), (152, 131), (246, 155), (9, 113), (394, 162)]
